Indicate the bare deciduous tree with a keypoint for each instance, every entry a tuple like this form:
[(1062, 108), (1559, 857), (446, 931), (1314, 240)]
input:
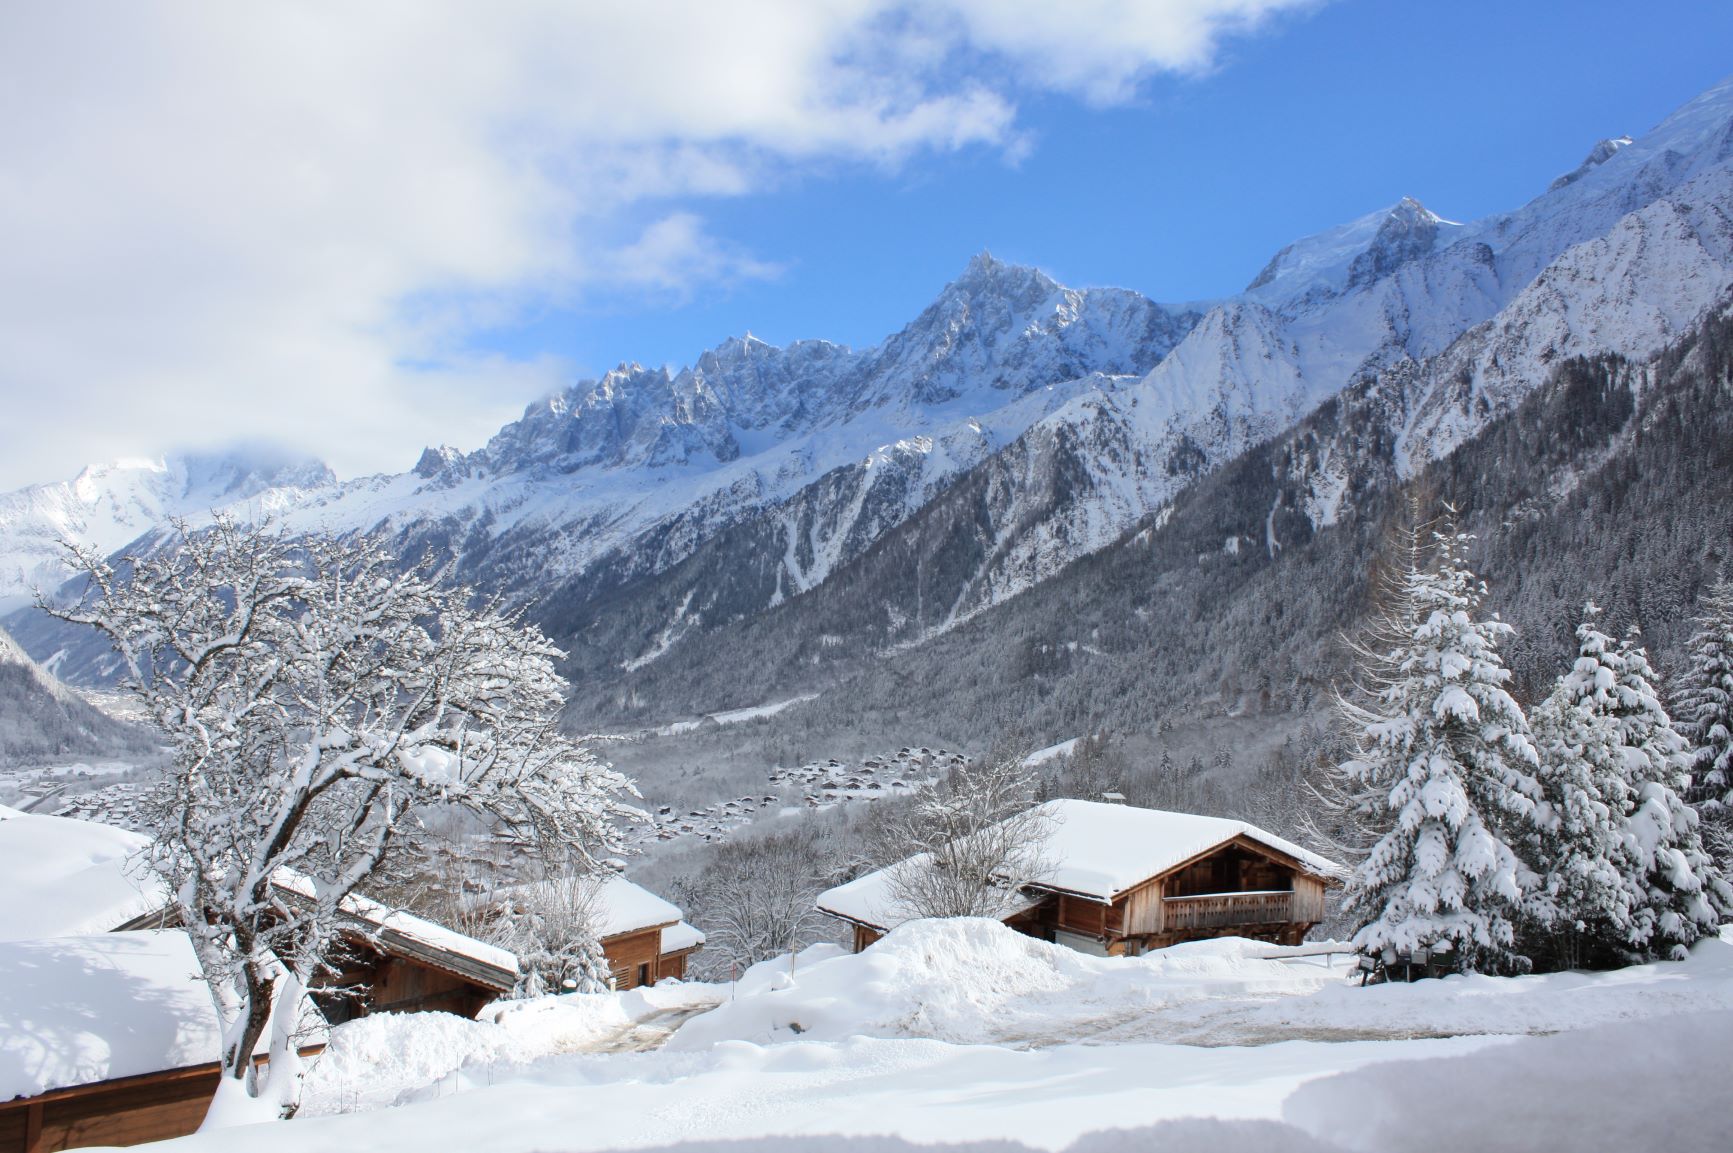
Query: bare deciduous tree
[(313, 695), (757, 899), (968, 846)]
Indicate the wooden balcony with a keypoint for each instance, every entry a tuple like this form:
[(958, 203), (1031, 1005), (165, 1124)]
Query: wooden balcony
[(1225, 910)]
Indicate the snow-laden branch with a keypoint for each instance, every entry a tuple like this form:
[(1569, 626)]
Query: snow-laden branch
[(315, 694)]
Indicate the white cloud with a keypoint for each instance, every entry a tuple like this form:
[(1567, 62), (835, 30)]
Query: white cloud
[(224, 220)]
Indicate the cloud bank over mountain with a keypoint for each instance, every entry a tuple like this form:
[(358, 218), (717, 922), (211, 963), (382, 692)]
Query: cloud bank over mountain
[(294, 220)]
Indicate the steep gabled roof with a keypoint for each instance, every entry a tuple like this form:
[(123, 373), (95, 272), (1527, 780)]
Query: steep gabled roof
[(404, 934), (623, 907)]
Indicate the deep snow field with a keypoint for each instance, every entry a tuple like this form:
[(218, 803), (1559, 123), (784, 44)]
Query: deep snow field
[(961, 1033)]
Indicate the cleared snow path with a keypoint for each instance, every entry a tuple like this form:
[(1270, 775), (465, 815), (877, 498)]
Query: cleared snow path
[(650, 1033)]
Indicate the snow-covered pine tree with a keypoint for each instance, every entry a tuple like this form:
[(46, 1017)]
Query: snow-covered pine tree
[(1704, 705), (1581, 912), (1443, 770), (1678, 894)]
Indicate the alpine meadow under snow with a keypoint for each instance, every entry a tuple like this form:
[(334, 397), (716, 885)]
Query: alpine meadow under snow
[(1298, 720)]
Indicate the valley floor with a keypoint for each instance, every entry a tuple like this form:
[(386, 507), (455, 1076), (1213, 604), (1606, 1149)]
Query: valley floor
[(963, 1032)]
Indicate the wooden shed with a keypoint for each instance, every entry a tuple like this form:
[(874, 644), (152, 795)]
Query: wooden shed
[(1122, 880), (643, 935), (390, 961)]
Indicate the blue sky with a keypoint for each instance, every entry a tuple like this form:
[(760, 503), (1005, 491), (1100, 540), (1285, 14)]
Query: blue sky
[(1471, 107), (355, 230)]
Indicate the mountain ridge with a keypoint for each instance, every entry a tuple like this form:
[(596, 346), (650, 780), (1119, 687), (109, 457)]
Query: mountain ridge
[(1084, 411)]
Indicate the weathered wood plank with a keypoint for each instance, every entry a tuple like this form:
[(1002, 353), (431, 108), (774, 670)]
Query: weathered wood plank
[(1221, 910)]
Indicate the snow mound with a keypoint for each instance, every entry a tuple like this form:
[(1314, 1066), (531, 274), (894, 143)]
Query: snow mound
[(974, 981), (387, 1058)]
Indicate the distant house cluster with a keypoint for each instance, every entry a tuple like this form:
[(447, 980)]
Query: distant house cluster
[(1120, 881), (887, 774), (107, 1031)]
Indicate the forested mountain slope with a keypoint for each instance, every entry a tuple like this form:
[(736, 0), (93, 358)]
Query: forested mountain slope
[(41, 719), (1611, 481)]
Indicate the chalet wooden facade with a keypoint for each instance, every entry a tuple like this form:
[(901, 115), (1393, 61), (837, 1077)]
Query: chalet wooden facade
[(1124, 880), (389, 961), (118, 1112), (643, 936)]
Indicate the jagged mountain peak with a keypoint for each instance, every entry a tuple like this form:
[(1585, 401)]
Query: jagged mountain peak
[(436, 460), (1598, 155), (1359, 252), (110, 505), (986, 274)]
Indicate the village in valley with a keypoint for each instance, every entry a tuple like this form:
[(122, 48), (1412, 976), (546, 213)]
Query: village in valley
[(1287, 712), (1026, 939)]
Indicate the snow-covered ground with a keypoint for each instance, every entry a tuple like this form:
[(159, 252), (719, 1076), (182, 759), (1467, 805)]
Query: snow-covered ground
[(964, 1032)]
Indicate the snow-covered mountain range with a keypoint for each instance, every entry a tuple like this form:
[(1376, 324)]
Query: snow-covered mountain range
[(1072, 413), (108, 506)]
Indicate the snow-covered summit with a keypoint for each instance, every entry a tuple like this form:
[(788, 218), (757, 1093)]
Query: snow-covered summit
[(1350, 255), (1598, 155), (107, 506), (1093, 406)]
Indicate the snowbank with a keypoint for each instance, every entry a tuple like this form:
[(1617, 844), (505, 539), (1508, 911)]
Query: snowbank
[(976, 981), (387, 1057), (1648, 1080), (1636, 1085), (1459, 1005)]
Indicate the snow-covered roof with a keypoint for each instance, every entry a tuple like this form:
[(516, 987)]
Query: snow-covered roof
[(1092, 849), (622, 907), (1101, 850), (868, 899), (76, 1010), (396, 926), (65, 877), (619, 906), (679, 937)]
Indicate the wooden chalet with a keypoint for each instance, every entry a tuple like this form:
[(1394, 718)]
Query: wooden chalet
[(643, 936), (390, 961), (107, 1033), (1120, 880)]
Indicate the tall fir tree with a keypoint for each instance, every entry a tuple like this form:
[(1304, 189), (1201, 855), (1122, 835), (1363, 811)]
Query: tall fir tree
[(1581, 912), (1704, 704), (1679, 895), (1442, 771)]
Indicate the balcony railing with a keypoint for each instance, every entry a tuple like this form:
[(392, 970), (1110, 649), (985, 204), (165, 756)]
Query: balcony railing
[(1222, 910)]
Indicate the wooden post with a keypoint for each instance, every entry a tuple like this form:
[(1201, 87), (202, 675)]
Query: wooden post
[(33, 1127)]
